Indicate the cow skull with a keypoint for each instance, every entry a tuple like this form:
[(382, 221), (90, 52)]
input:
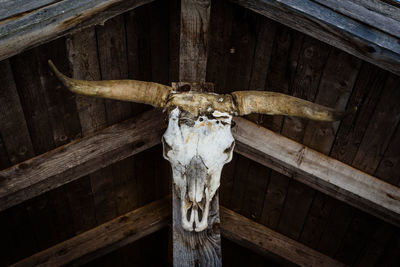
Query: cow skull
[(197, 148), (198, 140)]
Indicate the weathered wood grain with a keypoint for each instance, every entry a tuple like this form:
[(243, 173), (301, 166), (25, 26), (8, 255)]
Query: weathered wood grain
[(14, 7), (372, 18), (341, 31), (105, 238), (52, 21), (335, 88), (82, 55), (79, 158), (318, 171), (311, 61), (196, 248), (193, 49), (14, 131), (264, 240), (274, 199)]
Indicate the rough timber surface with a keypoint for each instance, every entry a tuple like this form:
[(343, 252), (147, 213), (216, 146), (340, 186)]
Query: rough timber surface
[(333, 28), (79, 158), (38, 26), (104, 238)]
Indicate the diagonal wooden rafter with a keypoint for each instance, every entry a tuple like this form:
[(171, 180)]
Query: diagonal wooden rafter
[(79, 158), (318, 170), (357, 27), (105, 238), (41, 21), (65, 164), (152, 217)]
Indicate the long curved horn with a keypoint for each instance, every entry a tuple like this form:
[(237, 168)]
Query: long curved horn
[(129, 90), (272, 103)]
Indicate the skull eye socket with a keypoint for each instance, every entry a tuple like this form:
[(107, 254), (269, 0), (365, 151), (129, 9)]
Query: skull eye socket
[(166, 147), (228, 151)]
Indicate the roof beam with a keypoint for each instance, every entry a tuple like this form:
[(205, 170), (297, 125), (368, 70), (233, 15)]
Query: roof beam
[(79, 158), (263, 240), (105, 238), (318, 170), (41, 21), (150, 218), (338, 25)]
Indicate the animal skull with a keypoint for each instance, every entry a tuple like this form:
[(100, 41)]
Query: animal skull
[(197, 148), (198, 140)]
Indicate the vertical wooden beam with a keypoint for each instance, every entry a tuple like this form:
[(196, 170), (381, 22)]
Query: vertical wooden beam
[(191, 248), (195, 21)]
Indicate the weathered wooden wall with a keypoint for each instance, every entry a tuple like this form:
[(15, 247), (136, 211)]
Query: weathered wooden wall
[(38, 115), (246, 51)]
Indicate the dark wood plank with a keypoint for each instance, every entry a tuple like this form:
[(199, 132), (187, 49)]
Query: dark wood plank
[(375, 247), (242, 50), (335, 229), (311, 167), (104, 238), (266, 241), (33, 101), (220, 44), (19, 33), (227, 181), (13, 131), (79, 158), (274, 199), (282, 70), (312, 60), (335, 88), (382, 125), (310, 66), (365, 96), (256, 185), (82, 54), (343, 32), (389, 164), (242, 168), (111, 43), (359, 229), (297, 205)]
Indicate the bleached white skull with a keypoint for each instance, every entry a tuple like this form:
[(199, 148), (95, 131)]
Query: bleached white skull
[(197, 148)]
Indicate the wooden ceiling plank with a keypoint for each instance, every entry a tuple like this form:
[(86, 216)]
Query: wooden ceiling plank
[(72, 161), (82, 55), (317, 170), (266, 241), (311, 64), (41, 25), (105, 238), (371, 17), (343, 32)]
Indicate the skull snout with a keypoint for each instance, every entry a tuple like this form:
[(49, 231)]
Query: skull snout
[(196, 174)]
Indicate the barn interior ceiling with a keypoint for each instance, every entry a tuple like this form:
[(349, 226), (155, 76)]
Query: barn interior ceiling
[(83, 180)]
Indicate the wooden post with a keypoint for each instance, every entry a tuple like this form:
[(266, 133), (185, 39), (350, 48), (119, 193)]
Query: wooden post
[(192, 248)]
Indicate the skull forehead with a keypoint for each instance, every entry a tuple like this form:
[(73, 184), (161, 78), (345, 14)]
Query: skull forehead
[(205, 136)]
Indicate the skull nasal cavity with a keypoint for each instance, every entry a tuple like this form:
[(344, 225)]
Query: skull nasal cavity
[(196, 174)]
